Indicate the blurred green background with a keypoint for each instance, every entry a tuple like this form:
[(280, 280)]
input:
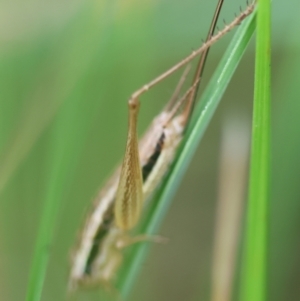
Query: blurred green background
[(67, 70)]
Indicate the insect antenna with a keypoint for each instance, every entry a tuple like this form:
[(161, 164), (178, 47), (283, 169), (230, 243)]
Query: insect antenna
[(200, 67), (176, 107), (175, 95)]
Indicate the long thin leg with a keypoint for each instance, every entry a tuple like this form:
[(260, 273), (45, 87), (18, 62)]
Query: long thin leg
[(129, 196), (195, 53)]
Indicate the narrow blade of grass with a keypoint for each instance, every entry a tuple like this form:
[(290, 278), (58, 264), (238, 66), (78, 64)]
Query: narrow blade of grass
[(68, 137), (203, 114), (254, 282)]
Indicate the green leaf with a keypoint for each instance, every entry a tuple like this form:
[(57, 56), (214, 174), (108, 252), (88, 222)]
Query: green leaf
[(254, 281)]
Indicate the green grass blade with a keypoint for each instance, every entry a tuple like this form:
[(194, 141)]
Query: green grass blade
[(203, 114), (65, 150), (254, 282), (66, 142)]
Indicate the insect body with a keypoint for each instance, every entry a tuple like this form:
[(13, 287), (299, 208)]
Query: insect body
[(119, 205), (157, 151)]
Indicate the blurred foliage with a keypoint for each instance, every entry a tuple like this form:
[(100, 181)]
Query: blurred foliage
[(67, 69)]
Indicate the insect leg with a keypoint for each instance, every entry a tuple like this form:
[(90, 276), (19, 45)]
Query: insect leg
[(249, 9), (129, 196)]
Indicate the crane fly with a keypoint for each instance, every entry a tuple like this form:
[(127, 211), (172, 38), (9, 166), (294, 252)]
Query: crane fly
[(119, 204)]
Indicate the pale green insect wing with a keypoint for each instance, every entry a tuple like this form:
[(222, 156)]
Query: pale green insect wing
[(129, 197)]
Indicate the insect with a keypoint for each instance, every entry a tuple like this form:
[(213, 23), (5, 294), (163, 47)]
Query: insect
[(119, 204)]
